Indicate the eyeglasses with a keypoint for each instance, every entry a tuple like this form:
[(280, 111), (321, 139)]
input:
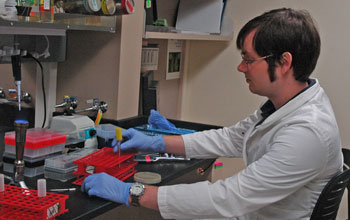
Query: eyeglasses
[(246, 61)]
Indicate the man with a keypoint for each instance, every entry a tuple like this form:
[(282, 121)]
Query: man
[(291, 145)]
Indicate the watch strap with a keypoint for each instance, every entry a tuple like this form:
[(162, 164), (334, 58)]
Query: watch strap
[(135, 200)]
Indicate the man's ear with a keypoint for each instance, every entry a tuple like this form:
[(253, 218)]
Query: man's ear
[(286, 61)]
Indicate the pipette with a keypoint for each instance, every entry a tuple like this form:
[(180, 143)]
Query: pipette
[(20, 137), (16, 69), (119, 137)]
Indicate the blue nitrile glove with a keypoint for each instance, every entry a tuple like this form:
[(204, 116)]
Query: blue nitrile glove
[(107, 187), (139, 141), (158, 121)]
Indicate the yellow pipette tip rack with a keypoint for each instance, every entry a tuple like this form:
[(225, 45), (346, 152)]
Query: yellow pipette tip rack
[(118, 134)]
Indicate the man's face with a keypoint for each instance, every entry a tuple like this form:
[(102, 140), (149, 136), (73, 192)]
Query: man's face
[(256, 73)]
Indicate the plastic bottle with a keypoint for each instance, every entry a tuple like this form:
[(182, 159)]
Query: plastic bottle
[(41, 187), (2, 183)]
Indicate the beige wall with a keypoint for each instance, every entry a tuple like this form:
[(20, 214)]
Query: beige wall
[(95, 69), (106, 66), (214, 91), (28, 80), (217, 92)]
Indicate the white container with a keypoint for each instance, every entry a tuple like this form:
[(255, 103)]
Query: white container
[(41, 185), (61, 163), (64, 163), (28, 172), (2, 182), (33, 153), (39, 142), (63, 177), (32, 159)]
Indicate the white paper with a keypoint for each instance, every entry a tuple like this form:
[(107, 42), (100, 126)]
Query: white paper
[(200, 15), (174, 58)]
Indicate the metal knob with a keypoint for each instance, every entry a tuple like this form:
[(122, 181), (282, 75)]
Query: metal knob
[(2, 93), (96, 105), (69, 104), (103, 106)]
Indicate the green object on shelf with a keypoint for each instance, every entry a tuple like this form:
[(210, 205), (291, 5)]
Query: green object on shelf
[(218, 167), (148, 4), (161, 22)]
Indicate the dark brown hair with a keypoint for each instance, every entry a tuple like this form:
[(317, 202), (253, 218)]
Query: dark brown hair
[(285, 30)]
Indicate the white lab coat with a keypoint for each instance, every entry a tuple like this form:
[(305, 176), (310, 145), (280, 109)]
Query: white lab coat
[(289, 158)]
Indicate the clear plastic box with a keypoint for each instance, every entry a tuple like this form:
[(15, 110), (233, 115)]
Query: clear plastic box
[(32, 159), (83, 152), (64, 163), (106, 131), (63, 177), (34, 153), (39, 142), (28, 172)]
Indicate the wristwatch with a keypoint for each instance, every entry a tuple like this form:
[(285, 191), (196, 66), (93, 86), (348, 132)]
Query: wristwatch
[(136, 191)]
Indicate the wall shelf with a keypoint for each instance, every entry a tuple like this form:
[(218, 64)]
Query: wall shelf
[(57, 24), (181, 36)]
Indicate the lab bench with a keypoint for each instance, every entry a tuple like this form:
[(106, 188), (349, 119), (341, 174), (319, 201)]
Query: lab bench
[(81, 206)]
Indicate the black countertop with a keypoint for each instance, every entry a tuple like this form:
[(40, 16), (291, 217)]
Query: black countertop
[(81, 206)]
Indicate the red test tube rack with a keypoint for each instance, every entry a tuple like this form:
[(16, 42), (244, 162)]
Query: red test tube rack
[(25, 204), (105, 160)]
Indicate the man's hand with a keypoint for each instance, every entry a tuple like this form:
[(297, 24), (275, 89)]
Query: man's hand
[(136, 140), (107, 187)]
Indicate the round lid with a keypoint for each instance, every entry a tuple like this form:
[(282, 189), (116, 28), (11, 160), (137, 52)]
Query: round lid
[(108, 7), (147, 177), (86, 6), (94, 5)]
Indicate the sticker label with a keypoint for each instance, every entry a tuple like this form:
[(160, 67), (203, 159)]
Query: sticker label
[(47, 5), (90, 169), (53, 210)]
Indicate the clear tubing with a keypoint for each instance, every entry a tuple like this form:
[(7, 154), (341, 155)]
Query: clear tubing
[(2, 183), (41, 187)]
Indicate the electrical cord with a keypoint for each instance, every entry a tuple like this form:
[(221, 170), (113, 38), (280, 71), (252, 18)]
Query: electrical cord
[(29, 55), (46, 52)]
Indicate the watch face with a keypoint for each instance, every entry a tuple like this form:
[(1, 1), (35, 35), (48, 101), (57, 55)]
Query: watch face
[(137, 189)]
